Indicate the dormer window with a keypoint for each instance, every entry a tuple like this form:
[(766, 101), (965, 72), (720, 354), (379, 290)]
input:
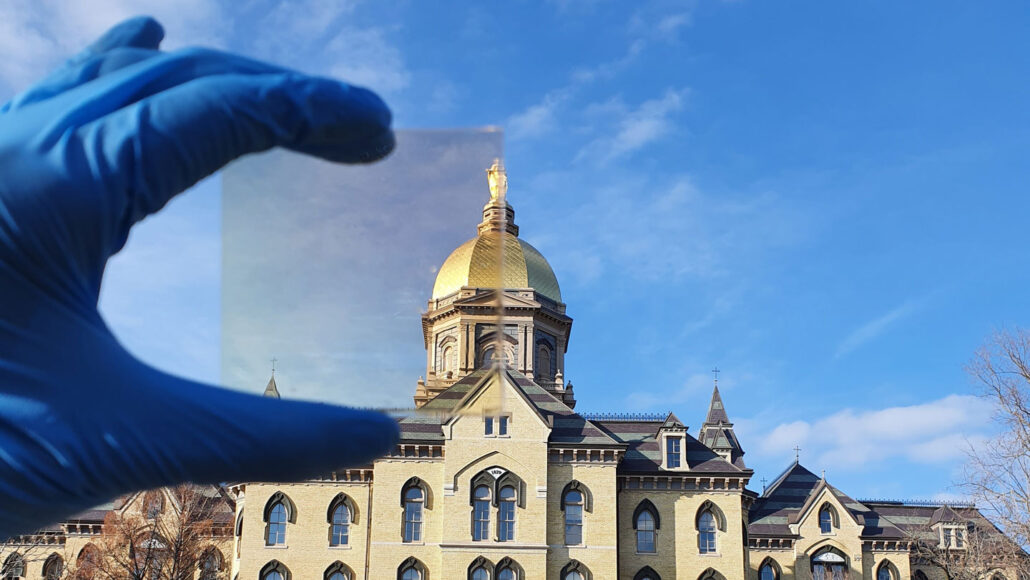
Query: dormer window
[(828, 519), (496, 426), (953, 537), (672, 451)]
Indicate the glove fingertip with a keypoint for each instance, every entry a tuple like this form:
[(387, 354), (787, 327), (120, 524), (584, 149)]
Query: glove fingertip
[(136, 32)]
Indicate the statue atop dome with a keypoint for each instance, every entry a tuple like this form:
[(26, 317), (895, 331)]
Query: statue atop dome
[(497, 177)]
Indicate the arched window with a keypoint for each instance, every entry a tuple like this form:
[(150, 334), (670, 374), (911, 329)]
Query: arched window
[(508, 569), (706, 528), (919, 575), (828, 519), (153, 504), (338, 571), (276, 531), (573, 501), (481, 514), (769, 570), (412, 569), (543, 362), (506, 514), (647, 573), (87, 562), (210, 564), (575, 570), (275, 570), (480, 573), (53, 568), (14, 567), (646, 523), (413, 502), (340, 516), (886, 572), (829, 564), (711, 574)]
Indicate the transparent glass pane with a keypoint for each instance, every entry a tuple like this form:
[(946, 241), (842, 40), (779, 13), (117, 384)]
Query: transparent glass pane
[(331, 270)]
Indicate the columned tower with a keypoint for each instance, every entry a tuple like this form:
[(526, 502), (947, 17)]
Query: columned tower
[(495, 297)]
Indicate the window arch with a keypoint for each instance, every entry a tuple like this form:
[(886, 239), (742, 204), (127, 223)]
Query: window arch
[(575, 570), (14, 567), (275, 528), (712, 508), (87, 561), (239, 524), (828, 519), (769, 570), (829, 564), (646, 523), (275, 570), (711, 574), (53, 568), (210, 564), (338, 571), (341, 514), (887, 571), (412, 569), (647, 573), (919, 575), (480, 569), (508, 569), (507, 478), (426, 491), (287, 503), (543, 361), (588, 498)]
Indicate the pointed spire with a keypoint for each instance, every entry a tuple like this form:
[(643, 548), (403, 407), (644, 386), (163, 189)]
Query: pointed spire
[(716, 410), (272, 390)]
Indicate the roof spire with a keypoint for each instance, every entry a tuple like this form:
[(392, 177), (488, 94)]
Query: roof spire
[(271, 390)]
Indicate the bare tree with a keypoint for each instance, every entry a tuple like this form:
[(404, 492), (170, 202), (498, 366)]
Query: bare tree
[(998, 473), (17, 553), (973, 550), (159, 540)]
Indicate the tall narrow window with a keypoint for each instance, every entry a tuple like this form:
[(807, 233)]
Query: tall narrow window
[(413, 502), (341, 526), (706, 533), (14, 567), (573, 518), (488, 425), (210, 564), (767, 572), (885, 573), (506, 515), (645, 532), (672, 452), (826, 520), (53, 568), (273, 575), (506, 574), (502, 425), (480, 574), (276, 525), (481, 514), (411, 574)]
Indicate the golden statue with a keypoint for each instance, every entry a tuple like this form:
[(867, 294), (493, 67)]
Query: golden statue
[(498, 180)]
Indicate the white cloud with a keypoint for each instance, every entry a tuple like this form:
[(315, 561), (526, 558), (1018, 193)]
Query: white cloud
[(37, 35), (875, 327), (936, 432), (537, 119), (366, 57), (636, 128)]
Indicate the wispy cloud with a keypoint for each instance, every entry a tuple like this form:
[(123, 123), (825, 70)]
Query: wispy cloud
[(537, 119), (939, 431), (876, 327), (636, 128)]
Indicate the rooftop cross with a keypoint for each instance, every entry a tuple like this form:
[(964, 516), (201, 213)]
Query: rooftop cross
[(764, 481), (797, 453), (274, 360), (716, 372)]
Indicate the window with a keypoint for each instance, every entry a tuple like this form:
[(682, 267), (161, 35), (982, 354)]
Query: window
[(953, 537), (448, 360), (706, 533), (276, 525), (672, 452), (575, 570), (480, 574), (411, 569), (481, 514), (573, 576), (508, 569), (827, 518), (411, 574), (506, 574), (275, 570), (414, 499), (340, 526), (53, 568), (502, 423), (645, 533), (767, 572), (885, 572), (273, 575), (646, 573), (573, 518), (338, 571), (14, 567), (488, 425), (829, 565), (338, 576), (210, 564), (502, 426), (506, 515)]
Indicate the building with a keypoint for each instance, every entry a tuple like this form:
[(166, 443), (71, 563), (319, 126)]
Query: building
[(497, 477)]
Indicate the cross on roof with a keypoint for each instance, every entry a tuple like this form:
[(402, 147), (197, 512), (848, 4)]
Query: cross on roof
[(764, 481), (716, 372), (797, 453), (274, 360)]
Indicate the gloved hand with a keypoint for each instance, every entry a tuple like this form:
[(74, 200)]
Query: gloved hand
[(100, 144)]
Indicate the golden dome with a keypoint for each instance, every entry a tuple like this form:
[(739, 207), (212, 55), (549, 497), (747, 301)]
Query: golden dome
[(480, 263)]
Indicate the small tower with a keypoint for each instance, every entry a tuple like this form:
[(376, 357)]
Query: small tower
[(272, 390), (717, 431)]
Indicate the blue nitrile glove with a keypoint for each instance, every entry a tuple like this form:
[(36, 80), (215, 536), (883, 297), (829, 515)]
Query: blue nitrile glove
[(103, 142)]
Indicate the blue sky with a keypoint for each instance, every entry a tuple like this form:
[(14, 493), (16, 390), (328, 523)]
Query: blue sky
[(826, 200)]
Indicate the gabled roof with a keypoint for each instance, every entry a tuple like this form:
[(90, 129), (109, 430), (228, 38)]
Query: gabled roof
[(644, 453), (567, 426), (946, 515), (794, 493)]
